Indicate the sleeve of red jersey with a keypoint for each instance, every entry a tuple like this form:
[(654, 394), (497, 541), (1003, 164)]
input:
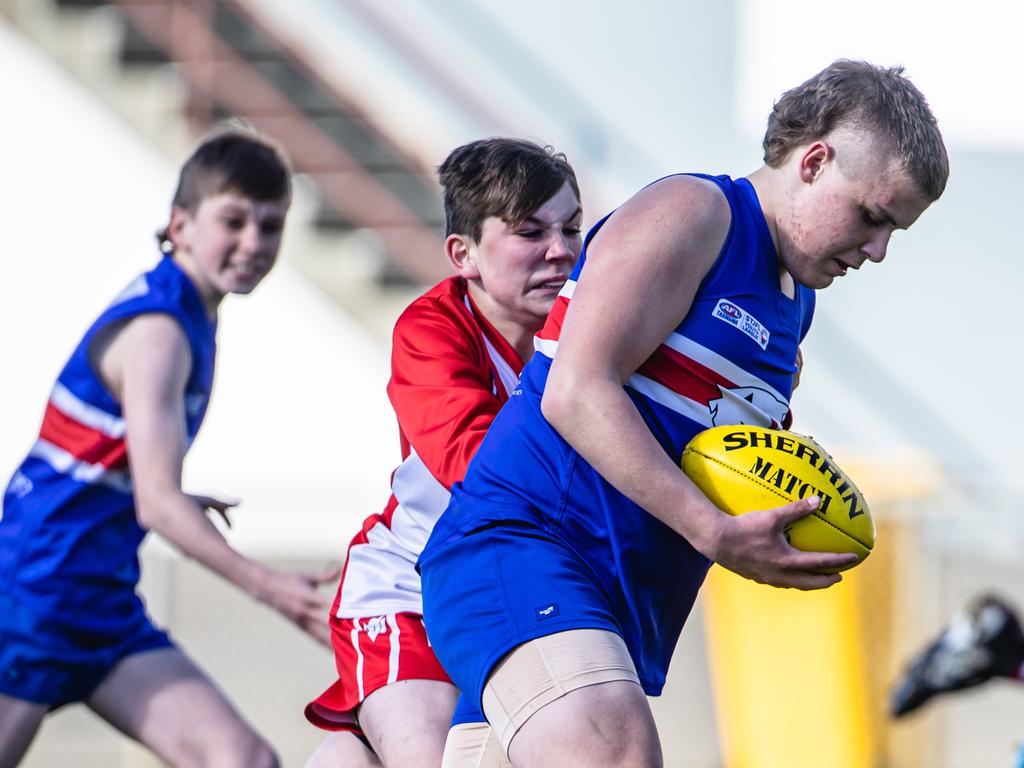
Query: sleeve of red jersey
[(441, 388)]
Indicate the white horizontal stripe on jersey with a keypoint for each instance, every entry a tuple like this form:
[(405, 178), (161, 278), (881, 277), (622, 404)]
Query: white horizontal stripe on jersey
[(93, 474), (84, 413), (547, 347), (672, 400), (720, 365), (728, 408)]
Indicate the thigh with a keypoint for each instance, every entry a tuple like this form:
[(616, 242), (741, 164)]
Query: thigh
[(500, 587), (161, 699), (19, 722), (343, 750), (571, 695), (608, 724), (406, 722), (371, 653)]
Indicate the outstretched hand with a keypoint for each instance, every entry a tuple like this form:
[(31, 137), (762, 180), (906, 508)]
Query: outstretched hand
[(297, 595), (754, 546)]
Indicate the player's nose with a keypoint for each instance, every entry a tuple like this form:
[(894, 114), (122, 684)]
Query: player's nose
[(560, 248), (251, 239), (876, 248)]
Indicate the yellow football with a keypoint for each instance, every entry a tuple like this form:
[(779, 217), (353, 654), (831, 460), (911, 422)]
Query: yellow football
[(743, 469)]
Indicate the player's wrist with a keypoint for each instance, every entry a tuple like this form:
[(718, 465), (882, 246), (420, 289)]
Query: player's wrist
[(257, 581), (708, 529)]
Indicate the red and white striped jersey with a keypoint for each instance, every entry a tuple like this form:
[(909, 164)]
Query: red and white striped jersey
[(451, 371)]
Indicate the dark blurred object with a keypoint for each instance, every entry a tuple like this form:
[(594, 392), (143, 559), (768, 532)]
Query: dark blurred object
[(983, 642)]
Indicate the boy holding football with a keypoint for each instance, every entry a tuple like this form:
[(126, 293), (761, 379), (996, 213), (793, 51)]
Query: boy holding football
[(106, 468), (557, 581), (512, 217)]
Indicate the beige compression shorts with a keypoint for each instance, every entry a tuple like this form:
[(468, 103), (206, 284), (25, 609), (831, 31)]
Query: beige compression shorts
[(530, 677)]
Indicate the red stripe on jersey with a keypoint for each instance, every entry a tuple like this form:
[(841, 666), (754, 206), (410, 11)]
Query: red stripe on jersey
[(684, 375), (83, 442), (553, 326)]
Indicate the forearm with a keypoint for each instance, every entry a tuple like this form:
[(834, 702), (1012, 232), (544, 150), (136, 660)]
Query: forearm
[(608, 431), (182, 522)]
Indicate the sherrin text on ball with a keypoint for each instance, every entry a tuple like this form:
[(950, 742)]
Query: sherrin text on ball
[(742, 468)]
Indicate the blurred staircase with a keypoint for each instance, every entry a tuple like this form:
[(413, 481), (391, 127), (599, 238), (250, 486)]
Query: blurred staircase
[(367, 224)]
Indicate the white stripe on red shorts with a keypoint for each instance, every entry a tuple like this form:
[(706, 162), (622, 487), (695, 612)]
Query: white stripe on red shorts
[(370, 653)]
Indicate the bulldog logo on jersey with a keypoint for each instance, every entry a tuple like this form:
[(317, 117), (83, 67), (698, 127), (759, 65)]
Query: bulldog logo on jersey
[(747, 405), (739, 318)]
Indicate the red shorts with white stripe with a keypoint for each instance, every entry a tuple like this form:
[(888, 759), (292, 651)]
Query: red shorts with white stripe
[(369, 654)]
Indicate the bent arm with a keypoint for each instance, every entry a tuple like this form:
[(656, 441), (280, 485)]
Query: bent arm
[(147, 366), (643, 271)]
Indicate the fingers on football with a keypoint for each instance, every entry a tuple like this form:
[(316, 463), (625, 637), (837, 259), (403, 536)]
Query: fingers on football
[(809, 581), (822, 561), (790, 513)]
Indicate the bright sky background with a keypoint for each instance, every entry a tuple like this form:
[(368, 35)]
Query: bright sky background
[(965, 56)]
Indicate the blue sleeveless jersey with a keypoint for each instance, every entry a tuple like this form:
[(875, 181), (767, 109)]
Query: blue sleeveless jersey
[(69, 535), (730, 361)]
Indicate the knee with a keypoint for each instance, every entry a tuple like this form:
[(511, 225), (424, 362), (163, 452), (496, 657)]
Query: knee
[(256, 753), (586, 727), (237, 748), (243, 751)]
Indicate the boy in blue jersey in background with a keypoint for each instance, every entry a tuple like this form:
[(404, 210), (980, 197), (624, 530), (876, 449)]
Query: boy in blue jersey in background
[(107, 468), (557, 582)]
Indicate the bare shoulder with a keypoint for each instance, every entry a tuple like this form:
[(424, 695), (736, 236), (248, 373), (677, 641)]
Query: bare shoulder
[(675, 215), (685, 202), (154, 332), (152, 344)]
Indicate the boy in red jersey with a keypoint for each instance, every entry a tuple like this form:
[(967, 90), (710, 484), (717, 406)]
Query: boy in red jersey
[(512, 214), (107, 467)]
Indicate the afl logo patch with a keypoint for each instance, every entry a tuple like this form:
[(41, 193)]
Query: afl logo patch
[(742, 320), (730, 309)]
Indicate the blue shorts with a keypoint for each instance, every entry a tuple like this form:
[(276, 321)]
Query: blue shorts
[(498, 587), (51, 661)]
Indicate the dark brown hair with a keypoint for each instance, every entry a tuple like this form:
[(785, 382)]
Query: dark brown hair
[(507, 178), (231, 160), (881, 100)]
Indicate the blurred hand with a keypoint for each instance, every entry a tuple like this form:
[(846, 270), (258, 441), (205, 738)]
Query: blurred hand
[(799, 367), (210, 504), (297, 595), (754, 546)]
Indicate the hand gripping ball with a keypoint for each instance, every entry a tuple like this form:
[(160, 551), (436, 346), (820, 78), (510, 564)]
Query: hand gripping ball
[(742, 469)]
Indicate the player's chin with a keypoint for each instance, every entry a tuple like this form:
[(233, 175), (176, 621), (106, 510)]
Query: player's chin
[(817, 280), (824, 281), (244, 285), (539, 301)]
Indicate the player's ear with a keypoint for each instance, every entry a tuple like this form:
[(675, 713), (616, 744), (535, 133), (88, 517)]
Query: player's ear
[(814, 159), (176, 229), (459, 249)]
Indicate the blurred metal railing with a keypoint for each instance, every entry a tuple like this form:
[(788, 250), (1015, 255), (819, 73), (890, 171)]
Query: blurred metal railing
[(218, 75)]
